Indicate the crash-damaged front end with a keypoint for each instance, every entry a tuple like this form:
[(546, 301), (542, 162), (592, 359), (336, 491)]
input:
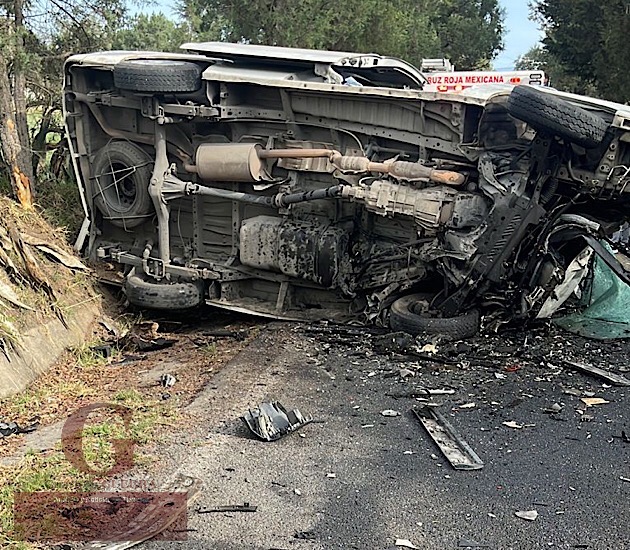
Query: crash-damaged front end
[(309, 185)]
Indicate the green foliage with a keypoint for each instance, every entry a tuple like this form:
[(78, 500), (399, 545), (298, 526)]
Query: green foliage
[(585, 48), (468, 32), (153, 32)]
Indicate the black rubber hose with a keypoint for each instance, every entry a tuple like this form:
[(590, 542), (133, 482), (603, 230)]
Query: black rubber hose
[(279, 200)]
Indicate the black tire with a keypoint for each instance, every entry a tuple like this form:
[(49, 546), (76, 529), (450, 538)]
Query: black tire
[(157, 76), (553, 115), (410, 314), (150, 294), (121, 173)]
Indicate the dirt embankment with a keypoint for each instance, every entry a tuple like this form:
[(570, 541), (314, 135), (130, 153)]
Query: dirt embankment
[(47, 297)]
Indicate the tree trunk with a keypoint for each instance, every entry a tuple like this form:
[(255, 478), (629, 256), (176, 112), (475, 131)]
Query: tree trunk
[(19, 77), (16, 153)]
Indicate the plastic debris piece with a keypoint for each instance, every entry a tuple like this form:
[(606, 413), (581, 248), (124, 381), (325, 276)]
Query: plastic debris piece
[(271, 421), (500, 376), (10, 428), (591, 401), (390, 412), (453, 447), (467, 406), (297, 492), (622, 478), (512, 424), (168, 380), (529, 515), (331, 475), (428, 348), (404, 543)]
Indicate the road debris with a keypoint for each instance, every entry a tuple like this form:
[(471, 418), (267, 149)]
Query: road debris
[(455, 449), (104, 350), (238, 335), (592, 401), (168, 380), (404, 543), (153, 344), (622, 478), (429, 348), (245, 507), (529, 515), (11, 428), (613, 378), (390, 412), (331, 475), (271, 421), (466, 406), (512, 424), (554, 409), (394, 342)]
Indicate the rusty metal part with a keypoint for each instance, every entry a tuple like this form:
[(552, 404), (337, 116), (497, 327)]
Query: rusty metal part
[(297, 153), (396, 169), (228, 162), (242, 162)]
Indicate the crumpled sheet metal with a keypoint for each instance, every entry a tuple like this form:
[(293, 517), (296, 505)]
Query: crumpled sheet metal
[(270, 421), (607, 306)]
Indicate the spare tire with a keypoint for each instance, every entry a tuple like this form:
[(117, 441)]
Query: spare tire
[(147, 293), (411, 314), (157, 76), (547, 113), (121, 173)]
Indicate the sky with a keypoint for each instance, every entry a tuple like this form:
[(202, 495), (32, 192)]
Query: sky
[(521, 33)]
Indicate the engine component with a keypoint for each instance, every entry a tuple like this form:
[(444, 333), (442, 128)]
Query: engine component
[(431, 208), (228, 162), (298, 249), (397, 169)]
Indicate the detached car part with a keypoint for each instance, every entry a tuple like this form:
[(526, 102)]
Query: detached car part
[(453, 447), (271, 421)]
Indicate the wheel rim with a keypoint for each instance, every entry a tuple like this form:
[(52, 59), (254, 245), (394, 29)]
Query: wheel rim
[(118, 186)]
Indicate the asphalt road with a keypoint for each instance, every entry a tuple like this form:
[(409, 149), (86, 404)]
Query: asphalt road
[(390, 480)]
